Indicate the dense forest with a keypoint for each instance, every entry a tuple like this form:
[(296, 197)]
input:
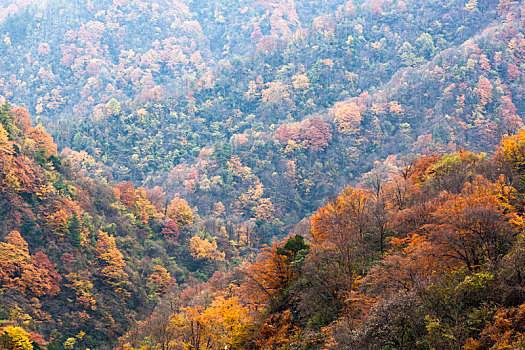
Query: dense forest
[(212, 101), (270, 174), (431, 258)]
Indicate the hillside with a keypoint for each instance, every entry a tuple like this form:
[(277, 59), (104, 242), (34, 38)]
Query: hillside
[(431, 258), (80, 261), (314, 93), (176, 186)]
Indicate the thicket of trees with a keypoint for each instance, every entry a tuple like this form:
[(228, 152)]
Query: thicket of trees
[(187, 135), (428, 256), (81, 261), (213, 100), (431, 257)]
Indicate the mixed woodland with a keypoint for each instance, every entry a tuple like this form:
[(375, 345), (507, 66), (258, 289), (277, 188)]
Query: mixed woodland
[(270, 174)]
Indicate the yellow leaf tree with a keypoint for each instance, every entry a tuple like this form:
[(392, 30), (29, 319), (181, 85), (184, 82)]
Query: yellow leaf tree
[(111, 264), (180, 212), (15, 338), (203, 249)]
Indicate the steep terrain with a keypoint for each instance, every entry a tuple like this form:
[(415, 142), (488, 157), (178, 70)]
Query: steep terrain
[(80, 261), (213, 100), (185, 135), (431, 258)]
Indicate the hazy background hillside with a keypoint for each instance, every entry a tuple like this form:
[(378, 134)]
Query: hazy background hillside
[(167, 92)]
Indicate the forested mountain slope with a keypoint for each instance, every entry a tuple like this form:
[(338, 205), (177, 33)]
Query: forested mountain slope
[(431, 258), (190, 133), (217, 101), (80, 261)]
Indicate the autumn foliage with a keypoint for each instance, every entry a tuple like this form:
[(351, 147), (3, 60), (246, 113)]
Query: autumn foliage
[(431, 254), (19, 270), (62, 245), (184, 181)]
